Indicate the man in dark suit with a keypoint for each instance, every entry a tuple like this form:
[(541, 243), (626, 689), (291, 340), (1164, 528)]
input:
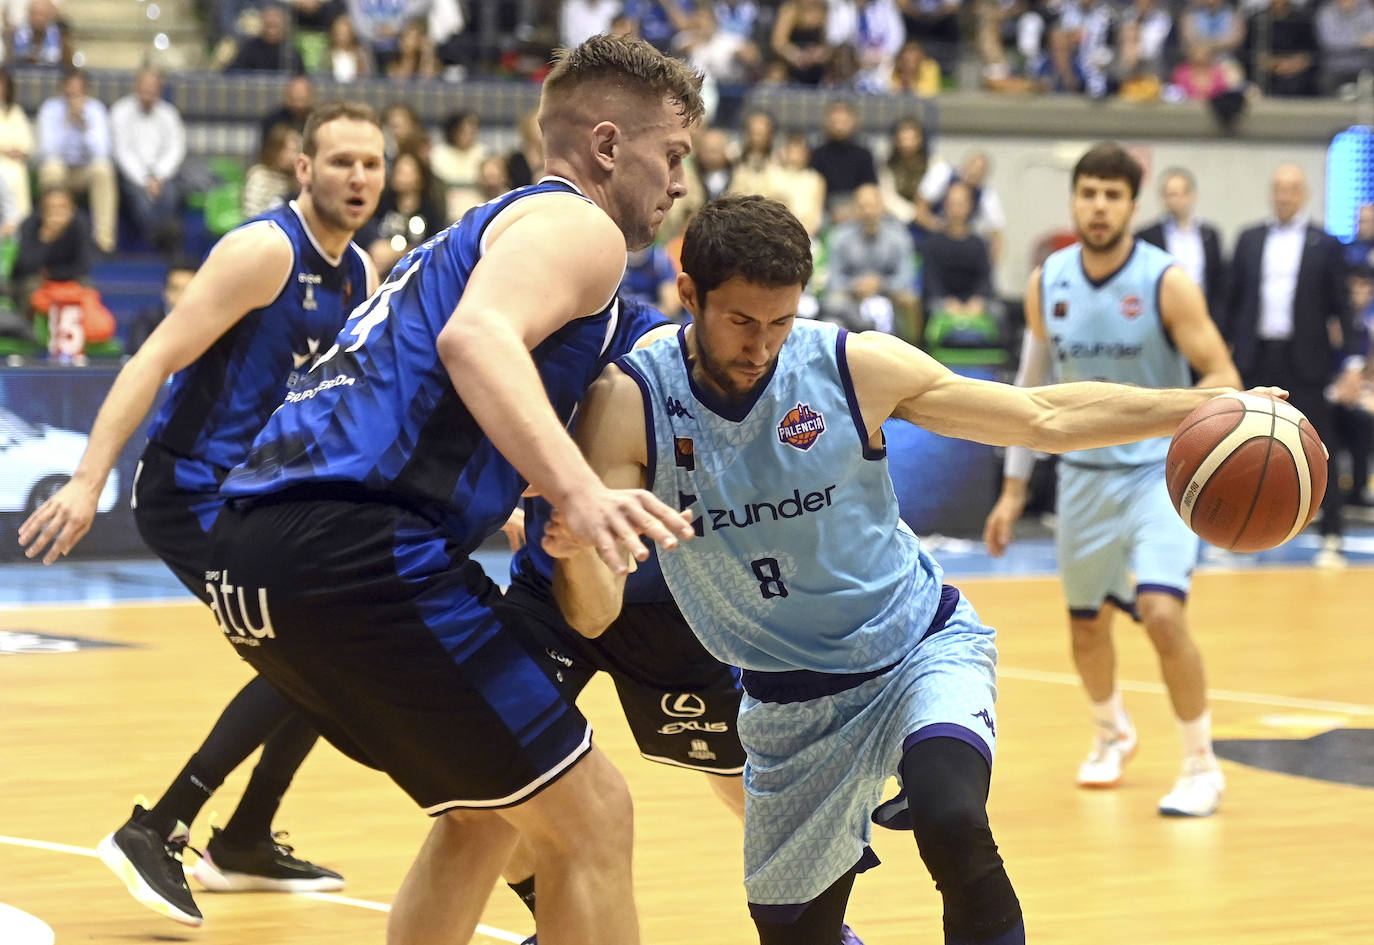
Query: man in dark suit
[(1289, 324), (1194, 244)]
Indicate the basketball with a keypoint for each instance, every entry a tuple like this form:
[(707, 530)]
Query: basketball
[(1246, 472)]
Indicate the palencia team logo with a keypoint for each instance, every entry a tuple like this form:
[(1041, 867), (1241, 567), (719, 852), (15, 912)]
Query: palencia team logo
[(801, 426)]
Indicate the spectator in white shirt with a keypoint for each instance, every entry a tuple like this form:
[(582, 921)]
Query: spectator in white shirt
[(16, 146), (149, 147), (581, 19), (989, 219), (74, 152)]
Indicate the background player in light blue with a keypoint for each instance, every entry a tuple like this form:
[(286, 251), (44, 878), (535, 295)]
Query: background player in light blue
[(343, 565), (858, 661), (1116, 308), (247, 324)]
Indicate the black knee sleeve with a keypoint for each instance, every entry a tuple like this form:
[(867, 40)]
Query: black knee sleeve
[(820, 923), (946, 782)]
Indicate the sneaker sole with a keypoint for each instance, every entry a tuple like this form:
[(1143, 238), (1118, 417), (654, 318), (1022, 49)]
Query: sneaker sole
[(1175, 812), (215, 880), (120, 865), (1107, 785)]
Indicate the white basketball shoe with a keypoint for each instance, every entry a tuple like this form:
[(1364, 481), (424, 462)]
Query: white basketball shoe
[(1110, 752), (1197, 792)]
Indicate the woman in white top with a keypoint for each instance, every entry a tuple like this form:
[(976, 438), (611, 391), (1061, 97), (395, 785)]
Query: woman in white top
[(272, 180), (16, 146), (346, 59)]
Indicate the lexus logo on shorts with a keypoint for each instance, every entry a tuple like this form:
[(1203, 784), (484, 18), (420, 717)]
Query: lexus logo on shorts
[(683, 705)]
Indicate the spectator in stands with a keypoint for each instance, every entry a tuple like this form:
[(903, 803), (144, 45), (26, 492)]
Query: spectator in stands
[(415, 56), (74, 150), (54, 245), (1143, 40), (43, 39), (403, 132), (271, 50), (872, 270), (527, 161), (727, 58), (1214, 24), (799, 39), (1201, 76), (406, 214), (1360, 250), (315, 15), (913, 73), (989, 219), (1345, 35), (1059, 71), (957, 274), (1194, 244), (16, 146), (879, 36), (149, 147), (298, 97), (581, 19), (711, 163), (935, 25), (799, 185), (844, 162), (346, 59), (448, 31), (10, 218), (1091, 26), (754, 170), (379, 24), (456, 159), (179, 273), (1286, 64), (659, 20), (908, 160), (272, 180), (651, 278)]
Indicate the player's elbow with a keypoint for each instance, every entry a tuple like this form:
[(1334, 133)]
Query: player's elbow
[(591, 622)]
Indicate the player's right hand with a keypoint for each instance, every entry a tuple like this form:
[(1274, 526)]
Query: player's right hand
[(997, 529), (60, 522), (611, 521)]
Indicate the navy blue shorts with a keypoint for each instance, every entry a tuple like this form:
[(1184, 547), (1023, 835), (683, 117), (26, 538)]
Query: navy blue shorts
[(396, 645), (680, 701)]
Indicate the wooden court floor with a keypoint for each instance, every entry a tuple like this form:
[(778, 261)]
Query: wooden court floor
[(1286, 862)]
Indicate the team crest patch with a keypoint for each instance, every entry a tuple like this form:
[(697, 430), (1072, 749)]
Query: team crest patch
[(684, 453), (801, 426), (1131, 306), (1061, 309)]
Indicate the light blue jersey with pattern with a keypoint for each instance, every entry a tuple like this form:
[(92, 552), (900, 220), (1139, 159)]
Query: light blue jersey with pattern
[(801, 560), (1111, 330)]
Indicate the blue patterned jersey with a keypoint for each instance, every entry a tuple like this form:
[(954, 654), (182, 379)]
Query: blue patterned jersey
[(801, 560), (378, 410), (645, 584), (1110, 330), (219, 403)]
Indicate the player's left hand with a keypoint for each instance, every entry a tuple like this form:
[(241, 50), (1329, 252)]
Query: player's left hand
[(515, 530)]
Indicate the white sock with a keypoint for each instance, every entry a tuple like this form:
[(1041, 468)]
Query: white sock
[(1197, 735), (1110, 714)]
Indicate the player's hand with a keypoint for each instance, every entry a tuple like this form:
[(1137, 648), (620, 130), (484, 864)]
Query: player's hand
[(515, 530), (59, 523), (997, 530), (611, 521), (1277, 393)]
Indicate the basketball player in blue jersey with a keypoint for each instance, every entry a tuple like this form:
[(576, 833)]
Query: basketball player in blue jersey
[(857, 661), (342, 569), (1116, 308), (270, 294)]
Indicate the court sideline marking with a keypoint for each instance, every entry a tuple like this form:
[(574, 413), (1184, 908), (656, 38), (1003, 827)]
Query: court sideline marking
[(501, 935)]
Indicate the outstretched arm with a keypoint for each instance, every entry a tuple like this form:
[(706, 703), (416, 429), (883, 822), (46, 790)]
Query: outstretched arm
[(245, 272)]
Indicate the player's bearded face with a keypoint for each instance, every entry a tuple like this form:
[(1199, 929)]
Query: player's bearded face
[(347, 173), (1102, 212), (738, 339)]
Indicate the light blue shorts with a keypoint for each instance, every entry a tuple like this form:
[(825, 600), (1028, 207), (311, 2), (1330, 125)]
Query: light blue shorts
[(816, 768), (1118, 534)]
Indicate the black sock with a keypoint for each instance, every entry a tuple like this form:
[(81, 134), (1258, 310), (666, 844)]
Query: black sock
[(252, 819), (525, 890), (183, 799)]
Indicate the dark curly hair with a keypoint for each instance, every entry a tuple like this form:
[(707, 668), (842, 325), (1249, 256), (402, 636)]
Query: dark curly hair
[(749, 236)]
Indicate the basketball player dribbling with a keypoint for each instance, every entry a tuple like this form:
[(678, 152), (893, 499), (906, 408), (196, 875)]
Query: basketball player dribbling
[(1116, 308), (858, 662)]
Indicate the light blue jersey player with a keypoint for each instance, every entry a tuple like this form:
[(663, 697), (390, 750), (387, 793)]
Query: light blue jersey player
[(858, 662), (1119, 309)]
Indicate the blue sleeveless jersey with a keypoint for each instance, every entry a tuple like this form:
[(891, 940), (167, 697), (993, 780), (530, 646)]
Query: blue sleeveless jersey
[(645, 585), (378, 411), (801, 560), (219, 403), (1111, 331)]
